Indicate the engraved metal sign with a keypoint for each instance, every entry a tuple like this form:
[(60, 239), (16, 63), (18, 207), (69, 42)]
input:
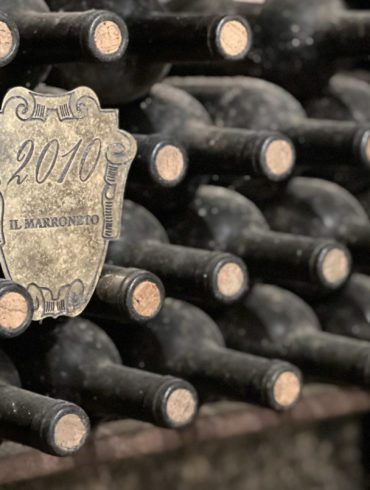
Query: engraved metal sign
[(63, 169)]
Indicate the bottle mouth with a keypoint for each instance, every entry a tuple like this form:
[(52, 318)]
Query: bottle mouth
[(233, 38), (333, 266), (9, 40), (284, 388), (229, 280), (178, 404), (16, 309), (170, 164), (107, 37), (277, 158), (68, 430), (145, 297)]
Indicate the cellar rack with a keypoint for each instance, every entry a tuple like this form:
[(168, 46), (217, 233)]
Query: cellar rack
[(121, 440)]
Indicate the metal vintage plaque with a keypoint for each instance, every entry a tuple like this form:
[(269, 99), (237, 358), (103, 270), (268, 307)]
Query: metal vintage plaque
[(63, 169)]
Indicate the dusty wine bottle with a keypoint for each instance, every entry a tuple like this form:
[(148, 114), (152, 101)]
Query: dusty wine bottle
[(273, 322), (126, 295), (16, 309), (259, 105), (156, 38), (159, 160), (52, 426), (55, 37), (184, 341), (347, 312), (200, 276), (83, 365), (299, 44), (222, 219), (317, 207), (173, 112)]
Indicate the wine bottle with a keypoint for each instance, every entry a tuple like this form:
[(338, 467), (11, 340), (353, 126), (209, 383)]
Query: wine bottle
[(80, 363), (184, 341), (299, 44), (126, 295), (320, 208), (200, 276), (156, 38), (273, 322), (52, 426), (222, 219), (173, 112), (347, 312), (259, 105), (16, 309), (159, 160), (57, 37)]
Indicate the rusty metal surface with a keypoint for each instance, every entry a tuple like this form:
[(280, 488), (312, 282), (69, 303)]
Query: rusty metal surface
[(127, 439)]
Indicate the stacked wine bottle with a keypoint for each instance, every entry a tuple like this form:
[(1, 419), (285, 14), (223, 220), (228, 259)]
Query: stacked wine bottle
[(242, 271)]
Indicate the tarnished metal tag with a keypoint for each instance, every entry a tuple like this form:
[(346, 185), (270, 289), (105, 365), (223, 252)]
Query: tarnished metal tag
[(63, 169)]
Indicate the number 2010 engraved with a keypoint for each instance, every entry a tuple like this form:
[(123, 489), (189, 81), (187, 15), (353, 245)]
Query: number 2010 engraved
[(50, 159)]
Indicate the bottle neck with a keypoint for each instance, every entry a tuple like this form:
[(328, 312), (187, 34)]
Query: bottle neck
[(160, 161), (50, 425), (357, 238), (281, 257), (356, 330), (126, 295), (331, 357), (220, 371), (168, 38), (189, 273), (320, 355), (349, 36), (327, 142), (237, 152), (95, 35), (117, 391)]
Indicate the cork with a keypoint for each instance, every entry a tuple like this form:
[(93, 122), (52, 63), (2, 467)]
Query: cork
[(279, 157), (170, 163), (181, 406), (335, 266), (108, 37), (234, 38), (230, 279), (287, 389), (146, 299), (69, 432), (13, 310), (6, 40)]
